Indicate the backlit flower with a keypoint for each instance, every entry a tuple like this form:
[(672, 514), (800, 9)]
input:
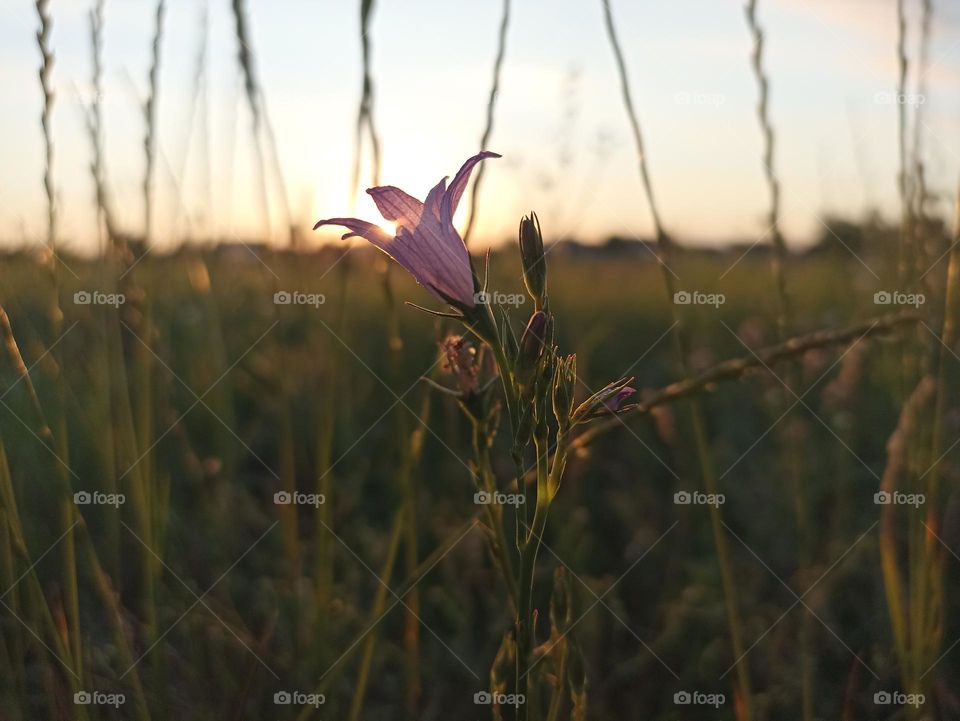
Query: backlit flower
[(425, 243)]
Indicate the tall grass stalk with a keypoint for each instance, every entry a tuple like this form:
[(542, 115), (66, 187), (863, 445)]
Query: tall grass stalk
[(922, 258), (365, 119), (198, 102), (58, 418), (337, 377), (791, 452), (736, 368), (150, 122), (399, 592), (46, 87), (708, 472), (252, 91), (68, 645), (94, 122), (488, 127), (903, 178), (36, 603)]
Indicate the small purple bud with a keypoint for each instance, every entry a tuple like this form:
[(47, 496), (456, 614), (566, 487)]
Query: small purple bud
[(613, 404)]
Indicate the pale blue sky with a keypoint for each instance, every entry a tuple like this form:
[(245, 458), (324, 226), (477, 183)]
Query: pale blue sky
[(560, 123)]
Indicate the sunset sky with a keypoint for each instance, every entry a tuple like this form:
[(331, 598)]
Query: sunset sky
[(560, 123)]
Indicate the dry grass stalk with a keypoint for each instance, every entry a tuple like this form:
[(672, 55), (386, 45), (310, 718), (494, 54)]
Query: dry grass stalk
[(150, 117), (46, 84), (488, 128)]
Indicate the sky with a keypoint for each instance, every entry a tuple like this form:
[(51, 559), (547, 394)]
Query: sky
[(560, 124)]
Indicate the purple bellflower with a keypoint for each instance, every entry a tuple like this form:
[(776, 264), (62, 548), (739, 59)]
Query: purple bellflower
[(425, 243)]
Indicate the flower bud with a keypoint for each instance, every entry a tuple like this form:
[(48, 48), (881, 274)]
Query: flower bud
[(564, 384), (532, 259), (531, 347), (605, 401)]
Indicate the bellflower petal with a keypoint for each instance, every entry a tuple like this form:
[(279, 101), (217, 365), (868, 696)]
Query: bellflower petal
[(451, 198), (426, 243)]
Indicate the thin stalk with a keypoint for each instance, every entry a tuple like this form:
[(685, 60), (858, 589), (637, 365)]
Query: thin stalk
[(488, 128), (903, 179), (708, 473), (494, 514), (252, 88), (948, 336), (426, 565), (528, 563), (735, 368), (379, 603), (150, 120), (94, 122), (791, 452), (365, 120), (46, 85)]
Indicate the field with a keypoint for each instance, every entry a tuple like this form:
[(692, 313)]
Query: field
[(199, 398), (679, 446)]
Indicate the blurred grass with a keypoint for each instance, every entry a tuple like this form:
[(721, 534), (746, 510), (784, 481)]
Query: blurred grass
[(274, 380)]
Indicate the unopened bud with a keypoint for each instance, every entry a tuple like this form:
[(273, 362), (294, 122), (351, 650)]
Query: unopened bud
[(564, 384), (531, 347), (532, 258)]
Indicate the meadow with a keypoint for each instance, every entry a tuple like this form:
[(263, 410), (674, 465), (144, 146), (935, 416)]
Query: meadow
[(543, 480), (199, 596)]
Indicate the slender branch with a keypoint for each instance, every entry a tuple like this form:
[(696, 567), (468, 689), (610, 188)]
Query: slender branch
[(488, 129), (698, 424), (150, 116), (735, 367), (365, 111), (773, 184), (46, 83)]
